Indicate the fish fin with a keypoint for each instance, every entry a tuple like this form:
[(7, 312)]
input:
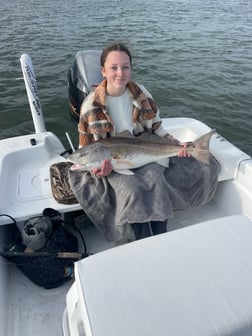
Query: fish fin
[(124, 171), (122, 164), (201, 147), (163, 162), (201, 155), (75, 167)]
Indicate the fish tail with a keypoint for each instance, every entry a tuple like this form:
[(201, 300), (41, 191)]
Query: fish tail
[(201, 147)]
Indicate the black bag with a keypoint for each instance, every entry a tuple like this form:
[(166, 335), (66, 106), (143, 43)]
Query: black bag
[(46, 268)]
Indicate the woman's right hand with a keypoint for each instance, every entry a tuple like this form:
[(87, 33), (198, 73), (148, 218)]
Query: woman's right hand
[(105, 169)]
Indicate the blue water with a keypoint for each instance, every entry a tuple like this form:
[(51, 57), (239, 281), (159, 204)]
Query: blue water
[(194, 56)]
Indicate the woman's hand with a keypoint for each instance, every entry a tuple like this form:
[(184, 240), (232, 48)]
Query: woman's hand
[(105, 169), (172, 140), (183, 152)]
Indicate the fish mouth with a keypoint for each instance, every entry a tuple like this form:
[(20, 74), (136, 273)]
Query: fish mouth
[(75, 167)]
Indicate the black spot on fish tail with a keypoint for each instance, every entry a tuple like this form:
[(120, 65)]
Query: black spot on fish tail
[(201, 147)]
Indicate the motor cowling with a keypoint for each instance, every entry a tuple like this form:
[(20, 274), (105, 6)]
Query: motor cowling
[(83, 76)]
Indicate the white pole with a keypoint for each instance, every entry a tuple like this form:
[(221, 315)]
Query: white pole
[(70, 142), (32, 93)]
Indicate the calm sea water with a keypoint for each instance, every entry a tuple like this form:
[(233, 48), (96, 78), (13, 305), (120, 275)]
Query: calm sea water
[(194, 56)]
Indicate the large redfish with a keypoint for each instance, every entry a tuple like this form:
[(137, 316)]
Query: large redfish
[(130, 153)]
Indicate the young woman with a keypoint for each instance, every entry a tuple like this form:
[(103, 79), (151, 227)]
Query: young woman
[(119, 105)]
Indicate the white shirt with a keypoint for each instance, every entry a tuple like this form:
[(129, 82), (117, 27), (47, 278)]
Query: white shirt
[(120, 108)]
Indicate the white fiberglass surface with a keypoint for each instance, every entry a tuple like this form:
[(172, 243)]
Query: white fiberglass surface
[(34, 311)]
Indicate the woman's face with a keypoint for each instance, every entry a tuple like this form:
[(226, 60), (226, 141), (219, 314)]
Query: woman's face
[(117, 70)]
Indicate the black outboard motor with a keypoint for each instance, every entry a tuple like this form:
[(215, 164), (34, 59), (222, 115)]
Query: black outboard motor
[(83, 76)]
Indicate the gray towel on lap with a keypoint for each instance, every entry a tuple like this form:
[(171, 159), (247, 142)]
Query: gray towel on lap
[(152, 193)]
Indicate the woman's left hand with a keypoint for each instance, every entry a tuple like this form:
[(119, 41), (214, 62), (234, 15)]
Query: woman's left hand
[(183, 151), (105, 169)]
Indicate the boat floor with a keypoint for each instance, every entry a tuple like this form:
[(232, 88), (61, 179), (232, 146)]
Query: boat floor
[(36, 311)]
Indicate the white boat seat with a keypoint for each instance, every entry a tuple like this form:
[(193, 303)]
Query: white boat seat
[(192, 281)]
